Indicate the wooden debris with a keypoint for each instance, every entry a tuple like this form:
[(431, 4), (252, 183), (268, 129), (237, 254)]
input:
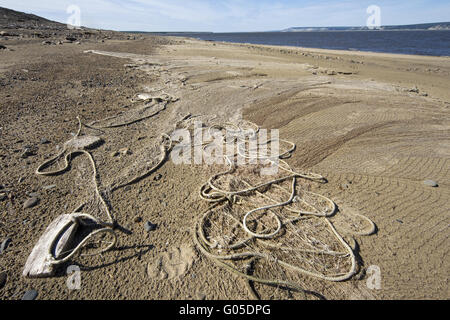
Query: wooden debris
[(61, 231)]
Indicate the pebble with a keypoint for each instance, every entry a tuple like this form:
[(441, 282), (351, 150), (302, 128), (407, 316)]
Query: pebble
[(44, 141), (27, 153), (137, 219), (201, 296), (431, 183), (30, 203), (2, 47), (158, 177), (3, 196), (49, 187), (33, 194), (125, 151), (3, 278), (30, 295), (5, 245), (150, 226)]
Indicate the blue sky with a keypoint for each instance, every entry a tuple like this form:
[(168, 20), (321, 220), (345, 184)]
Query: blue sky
[(233, 15)]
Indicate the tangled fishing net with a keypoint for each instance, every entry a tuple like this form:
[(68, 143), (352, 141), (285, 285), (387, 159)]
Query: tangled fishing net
[(267, 229), (270, 228)]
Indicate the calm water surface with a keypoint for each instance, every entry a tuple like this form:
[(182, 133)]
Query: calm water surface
[(433, 43)]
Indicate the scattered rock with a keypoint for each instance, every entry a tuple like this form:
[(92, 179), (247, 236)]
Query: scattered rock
[(431, 183), (125, 151), (44, 141), (30, 295), (3, 196), (33, 194), (49, 187), (115, 154), (47, 43), (5, 245), (150, 226), (158, 177), (345, 186), (414, 90), (200, 296), (71, 39), (30, 203), (2, 47), (3, 278), (27, 152)]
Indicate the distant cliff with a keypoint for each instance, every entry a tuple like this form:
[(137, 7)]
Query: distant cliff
[(423, 26), (11, 19)]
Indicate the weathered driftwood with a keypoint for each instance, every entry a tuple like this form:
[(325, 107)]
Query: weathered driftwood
[(55, 241)]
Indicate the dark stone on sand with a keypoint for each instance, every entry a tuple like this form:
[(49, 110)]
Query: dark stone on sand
[(27, 152), (3, 278), (5, 245), (30, 295), (137, 219), (2, 47), (158, 177), (150, 226)]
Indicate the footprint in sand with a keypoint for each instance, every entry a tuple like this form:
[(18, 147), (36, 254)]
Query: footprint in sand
[(172, 264)]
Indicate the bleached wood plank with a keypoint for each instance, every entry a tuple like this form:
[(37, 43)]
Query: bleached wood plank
[(38, 264)]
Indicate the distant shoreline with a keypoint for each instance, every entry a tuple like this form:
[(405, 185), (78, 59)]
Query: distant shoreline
[(426, 44), (300, 31)]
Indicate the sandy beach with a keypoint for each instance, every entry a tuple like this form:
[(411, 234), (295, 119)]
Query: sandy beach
[(376, 126)]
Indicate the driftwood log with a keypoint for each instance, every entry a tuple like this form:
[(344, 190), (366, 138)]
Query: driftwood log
[(55, 241)]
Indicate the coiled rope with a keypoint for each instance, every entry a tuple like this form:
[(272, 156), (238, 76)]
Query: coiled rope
[(221, 198)]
